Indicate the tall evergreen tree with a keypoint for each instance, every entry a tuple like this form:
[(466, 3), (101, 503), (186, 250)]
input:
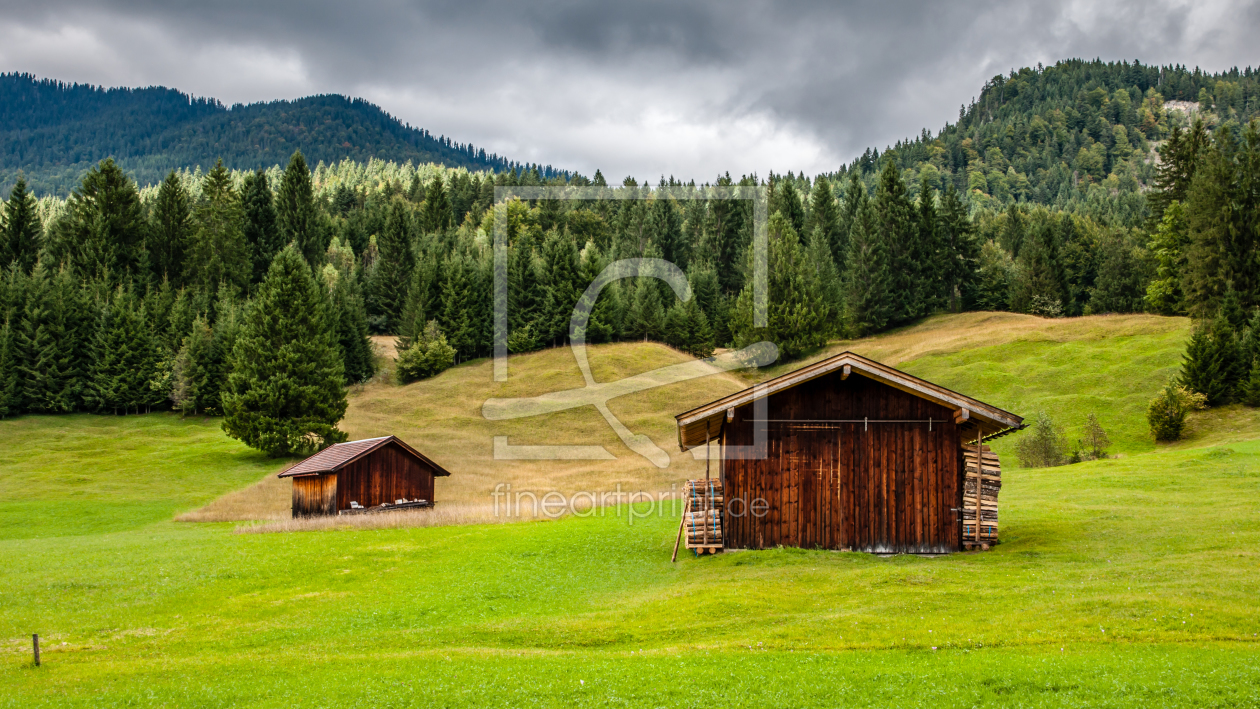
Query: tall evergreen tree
[(296, 218), (561, 271), (350, 319), (1213, 365), (393, 271), (1038, 288), (286, 393), (895, 219), (824, 214), (959, 252), (787, 201), (170, 231), (867, 275), (795, 320), (219, 253), (21, 231), (438, 215), (262, 232), (10, 393), (102, 232), (928, 252)]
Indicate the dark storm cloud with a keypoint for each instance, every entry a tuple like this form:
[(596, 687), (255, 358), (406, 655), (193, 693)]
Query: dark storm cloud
[(642, 88)]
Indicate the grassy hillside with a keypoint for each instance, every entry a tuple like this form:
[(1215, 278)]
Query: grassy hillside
[(1123, 582)]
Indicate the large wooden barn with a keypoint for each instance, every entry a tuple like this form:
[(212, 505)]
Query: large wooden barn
[(848, 453), (363, 476)]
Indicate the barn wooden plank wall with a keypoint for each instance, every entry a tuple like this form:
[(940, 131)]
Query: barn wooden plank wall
[(315, 495), (384, 475), (880, 487)]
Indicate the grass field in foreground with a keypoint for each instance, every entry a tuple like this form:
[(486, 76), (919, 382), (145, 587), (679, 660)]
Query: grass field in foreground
[(1120, 582), (1123, 582)]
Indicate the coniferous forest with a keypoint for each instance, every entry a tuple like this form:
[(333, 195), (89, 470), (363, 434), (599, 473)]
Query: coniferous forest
[(1082, 188)]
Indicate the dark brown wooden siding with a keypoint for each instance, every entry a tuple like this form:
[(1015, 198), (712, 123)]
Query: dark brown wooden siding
[(384, 475), (315, 495), (881, 487)]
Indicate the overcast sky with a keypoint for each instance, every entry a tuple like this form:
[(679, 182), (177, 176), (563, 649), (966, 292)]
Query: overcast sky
[(681, 88)]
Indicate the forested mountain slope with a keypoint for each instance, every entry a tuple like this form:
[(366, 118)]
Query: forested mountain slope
[(53, 132)]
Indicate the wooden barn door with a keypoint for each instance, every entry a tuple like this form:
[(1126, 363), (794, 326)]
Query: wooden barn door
[(811, 488)]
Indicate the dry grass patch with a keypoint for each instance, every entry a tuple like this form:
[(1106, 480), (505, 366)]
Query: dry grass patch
[(268, 499), (944, 334), (441, 515)]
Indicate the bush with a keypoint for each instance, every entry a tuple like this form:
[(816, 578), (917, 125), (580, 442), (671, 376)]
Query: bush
[(1096, 439), (1166, 413), (427, 356), (1044, 447)]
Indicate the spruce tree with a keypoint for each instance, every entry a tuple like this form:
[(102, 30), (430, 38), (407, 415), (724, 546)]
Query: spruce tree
[(665, 229), (193, 377), (394, 268), (824, 214), (1168, 245), (438, 215), (867, 276), (795, 319), (895, 219), (645, 319), (170, 231), (21, 230), (830, 296), (286, 393), (219, 253), (122, 362), (296, 219), (48, 369), (102, 232), (928, 252), (787, 201), (262, 232), (561, 285), (10, 393), (959, 252), (1212, 364), (350, 318), (1038, 288), (455, 317)]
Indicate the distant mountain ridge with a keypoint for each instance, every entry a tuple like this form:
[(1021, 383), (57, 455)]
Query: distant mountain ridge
[(52, 131)]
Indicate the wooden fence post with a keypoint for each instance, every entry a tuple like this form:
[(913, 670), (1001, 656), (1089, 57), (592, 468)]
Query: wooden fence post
[(35, 643)]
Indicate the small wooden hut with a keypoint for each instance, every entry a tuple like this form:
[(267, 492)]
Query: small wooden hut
[(848, 453), (372, 475)]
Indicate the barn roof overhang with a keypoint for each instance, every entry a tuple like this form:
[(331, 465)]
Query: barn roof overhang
[(337, 456), (976, 417)]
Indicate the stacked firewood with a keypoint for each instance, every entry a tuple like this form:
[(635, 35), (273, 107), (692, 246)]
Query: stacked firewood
[(986, 472), (702, 518)]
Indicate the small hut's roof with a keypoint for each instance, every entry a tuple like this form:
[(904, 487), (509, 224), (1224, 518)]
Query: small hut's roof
[(982, 418), (339, 455)]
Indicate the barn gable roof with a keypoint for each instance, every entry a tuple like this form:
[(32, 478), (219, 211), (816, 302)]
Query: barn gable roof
[(339, 455), (982, 418)]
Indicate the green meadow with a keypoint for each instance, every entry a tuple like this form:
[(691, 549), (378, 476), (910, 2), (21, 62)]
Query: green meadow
[(1130, 581)]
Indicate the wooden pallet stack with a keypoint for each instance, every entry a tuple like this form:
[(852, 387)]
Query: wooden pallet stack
[(701, 524), (980, 493)]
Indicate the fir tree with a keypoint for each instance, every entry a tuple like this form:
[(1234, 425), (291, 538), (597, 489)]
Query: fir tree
[(394, 269), (192, 376), (1212, 363), (261, 230), (1038, 288), (10, 393), (296, 219), (437, 214), (102, 232), (959, 253), (21, 230), (1121, 278), (867, 277), (787, 201), (47, 344), (795, 320), (219, 253), (645, 318), (1168, 245), (664, 227), (824, 214), (830, 296), (170, 230), (894, 219), (456, 318), (561, 284), (928, 252), (286, 393), (350, 319)]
